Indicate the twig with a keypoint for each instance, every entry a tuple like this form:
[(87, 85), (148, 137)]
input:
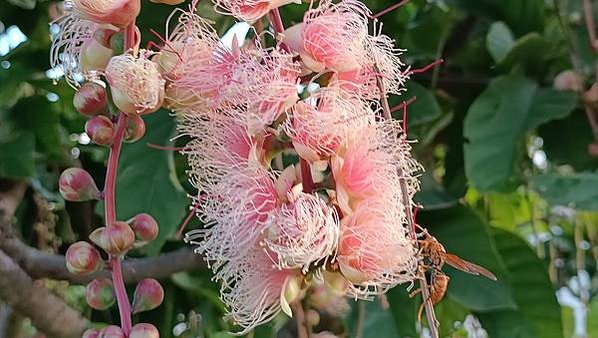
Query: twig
[(389, 9), (575, 59)]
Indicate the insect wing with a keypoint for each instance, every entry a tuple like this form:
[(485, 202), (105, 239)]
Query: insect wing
[(469, 267)]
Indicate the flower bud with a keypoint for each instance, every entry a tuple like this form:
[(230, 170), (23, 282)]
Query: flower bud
[(145, 227), (112, 331), (568, 80), (82, 258), (91, 333), (117, 43), (144, 330), (119, 13), (91, 99), (148, 295), (99, 293), (94, 56), (100, 129), (135, 128), (103, 36), (76, 185), (115, 239)]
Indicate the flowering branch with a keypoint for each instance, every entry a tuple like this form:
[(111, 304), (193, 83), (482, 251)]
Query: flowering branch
[(429, 306)]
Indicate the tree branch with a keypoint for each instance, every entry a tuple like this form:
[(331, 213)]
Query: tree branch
[(41, 264), (50, 314)]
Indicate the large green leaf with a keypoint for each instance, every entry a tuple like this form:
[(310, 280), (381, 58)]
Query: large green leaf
[(146, 181), (530, 51), (538, 313), (16, 156), (403, 310), (578, 191), (466, 235), (497, 122)]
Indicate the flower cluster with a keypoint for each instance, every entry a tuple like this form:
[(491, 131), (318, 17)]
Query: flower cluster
[(301, 179)]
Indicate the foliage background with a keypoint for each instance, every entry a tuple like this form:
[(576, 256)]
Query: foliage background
[(509, 182)]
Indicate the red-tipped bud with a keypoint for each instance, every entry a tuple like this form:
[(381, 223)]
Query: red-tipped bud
[(100, 293), (148, 295), (82, 258), (115, 239), (100, 129), (76, 185), (91, 99), (145, 227), (568, 80), (144, 330), (135, 128), (112, 331), (91, 333), (94, 56)]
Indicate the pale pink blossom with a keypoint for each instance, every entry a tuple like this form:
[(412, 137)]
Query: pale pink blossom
[(119, 13), (249, 10), (235, 210), (375, 252), (255, 291), (331, 36), (135, 83), (303, 232), (196, 65), (320, 125)]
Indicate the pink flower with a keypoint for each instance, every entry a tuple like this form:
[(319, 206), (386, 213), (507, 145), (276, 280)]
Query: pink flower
[(136, 85), (374, 251), (332, 36), (196, 65), (327, 120), (119, 13), (235, 210), (303, 232), (255, 291), (249, 10)]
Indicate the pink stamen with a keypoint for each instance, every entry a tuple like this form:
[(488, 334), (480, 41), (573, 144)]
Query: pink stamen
[(186, 221), (159, 147), (166, 43), (403, 104), (389, 9), (426, 68)]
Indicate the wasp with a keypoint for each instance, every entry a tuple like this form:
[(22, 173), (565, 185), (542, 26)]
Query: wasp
[(434, 256)]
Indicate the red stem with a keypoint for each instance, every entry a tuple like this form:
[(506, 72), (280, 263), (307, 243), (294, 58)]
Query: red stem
[(124, 307), (278, 26), (389, 9)]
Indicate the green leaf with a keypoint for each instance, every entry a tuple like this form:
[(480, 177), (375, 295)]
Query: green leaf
[(146, 181), (499, 40), (497, 122), (578, 191), (467, 236), (538, 313), (522, 16), (16, 156), (403, 310), (432, 195), (424, 110), (530, 51), (377, 321)]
